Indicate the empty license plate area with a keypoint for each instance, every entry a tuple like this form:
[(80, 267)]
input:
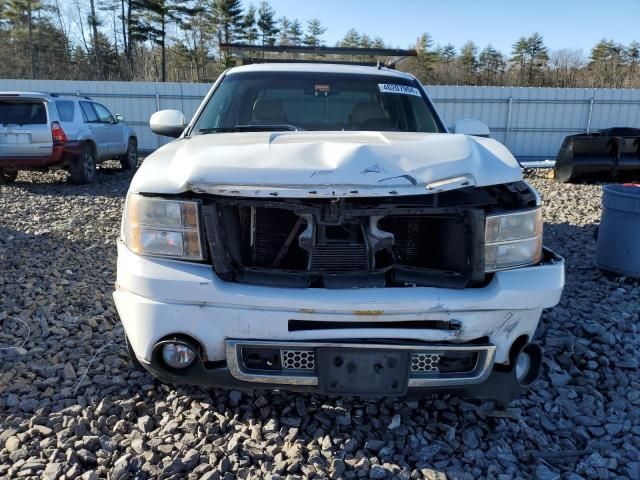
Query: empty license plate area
[(14, 138), (363, 372)]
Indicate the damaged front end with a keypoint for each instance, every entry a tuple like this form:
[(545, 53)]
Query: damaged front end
[(431, 240)]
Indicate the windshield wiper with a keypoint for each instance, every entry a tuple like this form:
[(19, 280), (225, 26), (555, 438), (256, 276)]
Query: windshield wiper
[(253, 128), (218, 130), (268, 128)]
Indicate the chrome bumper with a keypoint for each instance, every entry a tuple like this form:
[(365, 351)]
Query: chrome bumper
[(308, 376)]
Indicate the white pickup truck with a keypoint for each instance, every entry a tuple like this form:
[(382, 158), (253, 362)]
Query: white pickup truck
[(315, 227)]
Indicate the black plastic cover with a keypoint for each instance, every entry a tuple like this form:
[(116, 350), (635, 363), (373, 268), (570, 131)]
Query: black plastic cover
[(612, 153)]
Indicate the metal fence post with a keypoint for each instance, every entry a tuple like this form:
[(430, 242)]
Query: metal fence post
[(508, 125), (157, 110), (589, 117)]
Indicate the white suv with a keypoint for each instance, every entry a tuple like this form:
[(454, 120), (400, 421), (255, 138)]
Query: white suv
[(315, 227), (40, 131)]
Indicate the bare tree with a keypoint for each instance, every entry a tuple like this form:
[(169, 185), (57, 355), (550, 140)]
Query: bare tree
[(93, 21)]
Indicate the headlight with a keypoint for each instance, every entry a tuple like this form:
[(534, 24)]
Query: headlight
[(513, 240), (165, 228)]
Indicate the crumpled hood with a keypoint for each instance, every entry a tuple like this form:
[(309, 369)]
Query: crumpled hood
[(325, 164)]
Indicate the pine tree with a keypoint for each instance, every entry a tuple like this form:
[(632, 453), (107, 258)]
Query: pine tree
[(530, 55), (519, 56), (365, 41), (606, 63), (491, 64), (538, 55), (150, 21), (228, 14), (632, 55), (314, 31), (285, 30), (427, 57), (295, 32), (378, 42), (447, 53), (249, 27), (199, 32), (351, 39), (267, 24), (21, 13), (469, 62)]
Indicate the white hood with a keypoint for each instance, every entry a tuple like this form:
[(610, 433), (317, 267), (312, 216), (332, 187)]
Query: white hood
[(325, 164)]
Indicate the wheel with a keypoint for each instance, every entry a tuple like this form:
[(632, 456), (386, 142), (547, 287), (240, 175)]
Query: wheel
[(129, 160), (83, 169), (8, 176)]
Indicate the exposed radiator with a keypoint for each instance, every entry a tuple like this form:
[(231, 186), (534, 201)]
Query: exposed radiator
[(339, 257)]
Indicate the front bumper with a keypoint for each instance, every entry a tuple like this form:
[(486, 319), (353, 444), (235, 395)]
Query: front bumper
[(158, 298), (483, 382)]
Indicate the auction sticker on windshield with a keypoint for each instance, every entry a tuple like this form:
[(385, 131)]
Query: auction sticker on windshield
[(397, 88)]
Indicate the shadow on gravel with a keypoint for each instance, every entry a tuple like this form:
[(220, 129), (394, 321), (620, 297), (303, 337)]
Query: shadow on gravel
[(71, 403), (112, 180)]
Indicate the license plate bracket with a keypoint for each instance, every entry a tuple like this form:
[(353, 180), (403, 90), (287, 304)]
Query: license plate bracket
[(363, 371)]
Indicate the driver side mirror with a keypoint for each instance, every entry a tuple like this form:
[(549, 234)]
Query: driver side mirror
[(170, 123), (470, 126), (119, 118)]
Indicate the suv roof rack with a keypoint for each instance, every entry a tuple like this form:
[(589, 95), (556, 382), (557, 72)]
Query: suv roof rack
[(245, 52), (56, 94)]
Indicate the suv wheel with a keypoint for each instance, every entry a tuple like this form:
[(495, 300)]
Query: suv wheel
[(83, 169), (8, 176), (129, 160)]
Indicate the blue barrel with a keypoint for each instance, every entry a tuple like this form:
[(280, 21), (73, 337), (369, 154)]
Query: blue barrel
[(618, 247)]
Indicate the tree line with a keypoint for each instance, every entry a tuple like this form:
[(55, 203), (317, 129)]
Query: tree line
[(530, 64), (179, 40)]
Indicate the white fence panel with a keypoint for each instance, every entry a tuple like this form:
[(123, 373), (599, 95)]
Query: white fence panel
[(532, 122)]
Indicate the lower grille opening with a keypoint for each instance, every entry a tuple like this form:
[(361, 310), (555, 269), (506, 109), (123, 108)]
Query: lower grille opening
[(256, 358), (308, 325), (458, 362), (303, 360)]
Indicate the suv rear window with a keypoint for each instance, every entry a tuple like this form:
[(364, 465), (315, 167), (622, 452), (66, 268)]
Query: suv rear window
[(66, 110), (21, 112)]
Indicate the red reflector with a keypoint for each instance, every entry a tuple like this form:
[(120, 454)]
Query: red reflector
[(57, 133)]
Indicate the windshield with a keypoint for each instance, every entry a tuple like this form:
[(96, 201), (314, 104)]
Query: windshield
[(252, 101)]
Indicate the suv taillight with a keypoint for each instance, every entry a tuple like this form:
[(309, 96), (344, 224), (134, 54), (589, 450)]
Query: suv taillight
[(57, 134)]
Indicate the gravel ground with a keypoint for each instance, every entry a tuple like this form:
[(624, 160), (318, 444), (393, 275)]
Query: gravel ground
[(71, 406)]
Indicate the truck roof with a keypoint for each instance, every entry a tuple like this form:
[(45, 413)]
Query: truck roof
[(319, 68)]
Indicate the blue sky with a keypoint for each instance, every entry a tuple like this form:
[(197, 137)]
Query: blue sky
[(563, 23)]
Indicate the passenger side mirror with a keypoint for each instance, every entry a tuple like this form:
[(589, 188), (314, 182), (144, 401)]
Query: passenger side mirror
[(169, 123), (119, 118), (470, 126)]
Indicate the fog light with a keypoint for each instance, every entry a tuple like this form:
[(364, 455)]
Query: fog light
[(523, 365), (177, 355)]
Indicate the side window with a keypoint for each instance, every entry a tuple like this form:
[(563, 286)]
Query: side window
[(66, 110), (88, 114), (104, 116)]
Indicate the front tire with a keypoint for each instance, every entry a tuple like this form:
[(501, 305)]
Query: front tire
[(129, 160), (8, 176), (83, 169)]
